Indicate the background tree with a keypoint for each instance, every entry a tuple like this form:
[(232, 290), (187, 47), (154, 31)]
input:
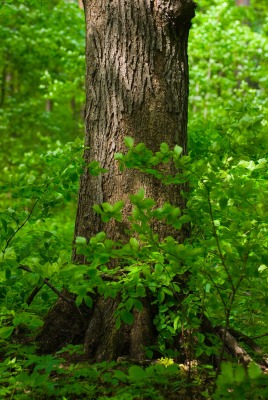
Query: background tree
[(243, 2), (40, 80)]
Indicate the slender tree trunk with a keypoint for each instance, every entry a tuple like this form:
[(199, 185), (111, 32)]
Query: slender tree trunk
[(49, 105), (242, 2), (3, 86), (136, 85)]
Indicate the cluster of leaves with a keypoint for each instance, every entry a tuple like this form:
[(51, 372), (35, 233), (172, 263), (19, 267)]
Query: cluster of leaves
[(25, 375), (33, 230), (225, 258), (41, 75), (227, 53), (226, 255)]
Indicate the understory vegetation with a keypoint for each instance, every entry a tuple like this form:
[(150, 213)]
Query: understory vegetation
[(225, 257)]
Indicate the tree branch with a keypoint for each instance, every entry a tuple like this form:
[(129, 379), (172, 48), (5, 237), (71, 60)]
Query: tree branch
[(52, 287)]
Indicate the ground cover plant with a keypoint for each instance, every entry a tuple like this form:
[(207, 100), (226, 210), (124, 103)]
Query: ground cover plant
[(208, 294)]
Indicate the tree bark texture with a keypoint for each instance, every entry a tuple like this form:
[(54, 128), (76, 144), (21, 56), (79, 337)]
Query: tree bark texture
[(136, 85)]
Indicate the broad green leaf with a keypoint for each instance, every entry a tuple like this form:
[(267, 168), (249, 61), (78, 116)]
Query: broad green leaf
[(136, 373), (254, 371), (129, 142), (80, 240), (88, 300), (126, 316), (6, 331)]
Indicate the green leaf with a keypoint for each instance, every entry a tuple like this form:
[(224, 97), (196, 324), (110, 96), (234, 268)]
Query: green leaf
[(119, 156), (254, 371), (8, 273), (136, 373), (88, 300), (95, 169), (80, 240), (140, 290), (262, 268), (118, 323), (138, 305), (136, 199), (167, 291), (161, 296), (176, 288), (240, 374), (184, 219), (6, 331), (129, 142), (129, 303), (207, 287), (164, 148), (158, 269), (4, 223), (107, 207), (118, 206), (176, 323), (177, 150), (227, 375), (126, 316), (134, 243)]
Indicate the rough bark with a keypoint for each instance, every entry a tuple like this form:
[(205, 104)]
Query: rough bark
[(136, 85)]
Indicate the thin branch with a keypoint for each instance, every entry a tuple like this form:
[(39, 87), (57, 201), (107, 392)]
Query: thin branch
[(20, 226), (52, 287), (260, 336), (218, 289), (218, 243), (33, 294), (34, 206)]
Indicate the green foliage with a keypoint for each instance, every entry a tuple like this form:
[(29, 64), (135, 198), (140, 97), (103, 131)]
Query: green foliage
[(28, 235), (235, 382), (28, 376), (41, 76), (227, 72), (225, 258)]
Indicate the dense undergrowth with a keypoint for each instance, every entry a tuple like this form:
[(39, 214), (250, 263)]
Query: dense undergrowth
[(225, 257)]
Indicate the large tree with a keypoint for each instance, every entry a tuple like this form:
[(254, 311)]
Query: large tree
[(136, 85)]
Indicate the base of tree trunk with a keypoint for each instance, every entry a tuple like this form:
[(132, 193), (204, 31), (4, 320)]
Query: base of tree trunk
[(96, 329), (64, 324), (104, 342)]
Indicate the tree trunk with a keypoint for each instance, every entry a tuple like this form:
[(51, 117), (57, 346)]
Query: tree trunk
[(136, 85), (242, 2)]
